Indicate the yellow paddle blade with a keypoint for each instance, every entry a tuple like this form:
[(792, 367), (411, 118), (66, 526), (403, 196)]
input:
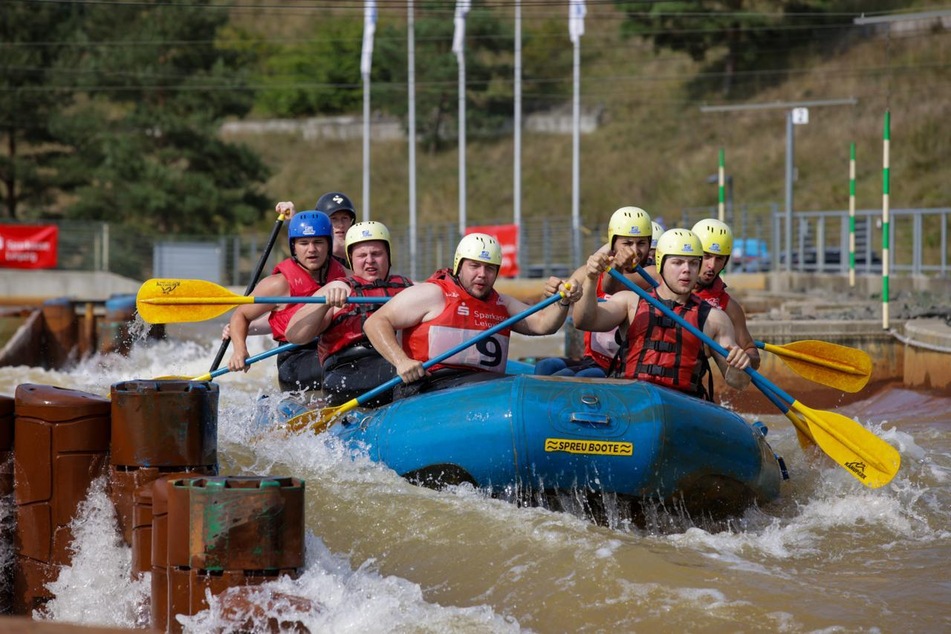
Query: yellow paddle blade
[(841, 367), (318, 420), (806, 441), (871, 460), (168, 301)]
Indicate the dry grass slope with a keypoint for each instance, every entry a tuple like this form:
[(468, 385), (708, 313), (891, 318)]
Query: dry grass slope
[(655, 148)]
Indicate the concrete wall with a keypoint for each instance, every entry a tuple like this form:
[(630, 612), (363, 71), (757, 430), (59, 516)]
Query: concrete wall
[(33, 287)]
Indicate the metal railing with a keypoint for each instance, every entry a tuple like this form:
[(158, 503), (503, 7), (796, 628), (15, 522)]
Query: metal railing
[(919, 244)]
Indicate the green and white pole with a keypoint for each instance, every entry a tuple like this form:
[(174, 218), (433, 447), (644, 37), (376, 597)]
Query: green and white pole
[(721, 180), (852, 214), (886, 257)]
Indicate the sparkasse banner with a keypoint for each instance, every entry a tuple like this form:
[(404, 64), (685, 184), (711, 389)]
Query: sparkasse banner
[(28, 246), (507, 235)]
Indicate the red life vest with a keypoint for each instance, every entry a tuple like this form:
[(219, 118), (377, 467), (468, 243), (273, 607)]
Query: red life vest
[(662, 352), (301, 284), (463, 318), (346, 328), (601, 346), (715, 294)]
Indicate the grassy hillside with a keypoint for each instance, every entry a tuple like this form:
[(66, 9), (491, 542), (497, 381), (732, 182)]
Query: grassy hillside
[(656, 148)]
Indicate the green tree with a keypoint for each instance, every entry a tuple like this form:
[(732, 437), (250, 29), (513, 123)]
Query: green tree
[(148, 87), (747, 34), (32, 92), (318, 76)]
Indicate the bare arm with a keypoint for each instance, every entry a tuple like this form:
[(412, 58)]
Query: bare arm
[(312, 319), (246, 314), (719, 328), (588, 313), (411, 307), (551, 318), (743, 337)]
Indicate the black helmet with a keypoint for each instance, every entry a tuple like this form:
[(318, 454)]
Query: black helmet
[(332, 202)]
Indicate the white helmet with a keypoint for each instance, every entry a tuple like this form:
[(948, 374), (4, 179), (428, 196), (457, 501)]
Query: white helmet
[(677, 242), (477, 246), (656, 232), (365, 232)]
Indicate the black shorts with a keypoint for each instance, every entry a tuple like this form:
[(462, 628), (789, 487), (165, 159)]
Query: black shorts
[(442, 379), (299, 369), (354, 372)]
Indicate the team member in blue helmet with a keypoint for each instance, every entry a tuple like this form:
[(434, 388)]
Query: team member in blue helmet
[(351, 365), (310, 236), (342, 213)]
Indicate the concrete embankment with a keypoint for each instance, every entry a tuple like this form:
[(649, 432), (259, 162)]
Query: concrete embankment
[(782, 308)]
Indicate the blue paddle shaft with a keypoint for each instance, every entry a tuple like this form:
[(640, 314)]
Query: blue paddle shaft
[(396, 380), (763, 381), (260, 357), (320, 299)]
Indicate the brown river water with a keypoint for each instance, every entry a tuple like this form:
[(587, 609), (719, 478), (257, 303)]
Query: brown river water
[(385, 556)]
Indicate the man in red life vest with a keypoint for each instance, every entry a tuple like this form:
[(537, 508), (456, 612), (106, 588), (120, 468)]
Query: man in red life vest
[(310, 267), (629, 236), (659, 350), (342, 214), (717, 240), (451, 307), (351, 366)]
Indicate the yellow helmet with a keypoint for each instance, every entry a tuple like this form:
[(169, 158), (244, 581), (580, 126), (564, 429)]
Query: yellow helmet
[(365, 232), (656, 232), (480, 247), (631, 222), (677, 242), (715, 236)]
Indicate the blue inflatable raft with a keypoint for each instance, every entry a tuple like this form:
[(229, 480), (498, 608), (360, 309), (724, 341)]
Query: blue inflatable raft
[(537, 435)]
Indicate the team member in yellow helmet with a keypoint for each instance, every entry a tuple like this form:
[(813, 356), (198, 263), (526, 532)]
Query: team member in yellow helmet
[(454, 305), (659, 350), (629, 235), (657, 231), (717, 240), (350, 365)]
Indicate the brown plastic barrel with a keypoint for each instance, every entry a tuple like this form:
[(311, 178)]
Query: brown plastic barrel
[(161, 579), (227, 532), (61, 438), (164, 423), (238, 523), (159, 427), (126, 482), (142, 518)]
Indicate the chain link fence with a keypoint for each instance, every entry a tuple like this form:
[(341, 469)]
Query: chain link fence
[(919, 245)]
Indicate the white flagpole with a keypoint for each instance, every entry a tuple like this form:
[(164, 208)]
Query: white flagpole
[(576, 13), (459, 48), (517, 175), (366, 58), (411, 115)]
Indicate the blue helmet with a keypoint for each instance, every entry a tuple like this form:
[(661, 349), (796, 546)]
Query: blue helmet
[(309, 224)]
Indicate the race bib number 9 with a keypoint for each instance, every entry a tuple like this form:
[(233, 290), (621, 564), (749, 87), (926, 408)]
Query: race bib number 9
[(489, 354)]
